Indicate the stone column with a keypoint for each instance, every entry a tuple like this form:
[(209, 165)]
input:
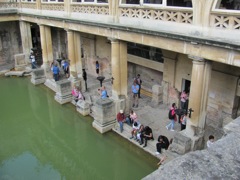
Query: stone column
[(46, 45), (104, 118), (119, 68), (26, 36), (192, 137), (201, 75), (119, 74), (73, 54)]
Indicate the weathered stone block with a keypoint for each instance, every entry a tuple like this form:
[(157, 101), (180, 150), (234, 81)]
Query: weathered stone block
[(104, 117), (181, 143), (20, 63), (38, 76), (157, 95), (83, 107), (63, 94)]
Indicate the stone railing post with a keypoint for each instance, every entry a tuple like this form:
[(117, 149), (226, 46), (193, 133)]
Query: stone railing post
[(104, 117), (157, 95), (83, 107), (64, 91), (38, 76)]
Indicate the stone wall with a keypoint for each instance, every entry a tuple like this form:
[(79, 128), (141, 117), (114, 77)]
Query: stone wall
[(59, 40), (10, 42), (220, 161)]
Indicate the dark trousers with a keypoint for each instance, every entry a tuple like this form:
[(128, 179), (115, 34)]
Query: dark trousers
[(183, 127), (142, 136), (139, 91), (56, 77), (159, 146)]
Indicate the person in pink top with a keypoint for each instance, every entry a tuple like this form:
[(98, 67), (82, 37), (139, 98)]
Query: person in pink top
[(77, 95), (183, 99)]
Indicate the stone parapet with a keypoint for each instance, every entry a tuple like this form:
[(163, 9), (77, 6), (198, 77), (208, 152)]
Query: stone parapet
[(20, 63), (63, 94), (104, 115), (157, 95), (38, 76), (83, 107)]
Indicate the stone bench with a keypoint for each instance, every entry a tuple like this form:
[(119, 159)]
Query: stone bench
[(151, 144)]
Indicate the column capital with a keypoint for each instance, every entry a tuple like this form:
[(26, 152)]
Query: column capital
[(113, 40), (197, 59)]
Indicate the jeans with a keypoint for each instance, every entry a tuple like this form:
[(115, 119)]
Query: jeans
[(171, 124), (121, 126)]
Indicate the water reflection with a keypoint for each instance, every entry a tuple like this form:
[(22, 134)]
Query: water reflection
[(55, 141)]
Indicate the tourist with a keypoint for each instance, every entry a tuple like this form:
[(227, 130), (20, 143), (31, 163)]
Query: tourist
[(77, 95), (162, 143), (172, 116), (56, 72), (33, 60), (183, 99), (121, 118), (84, 75), (139, 133), (132, 117), (97, 67), (147, 135), (135, 128), (210, 141), (135, 88), (103, 92), (66, 68), (139, 83), (183, 121)]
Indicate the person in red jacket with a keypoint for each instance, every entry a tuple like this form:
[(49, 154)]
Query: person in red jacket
[(121, 118)]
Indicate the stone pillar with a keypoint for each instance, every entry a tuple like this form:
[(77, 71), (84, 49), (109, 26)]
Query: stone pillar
[(64, 91), (38, 76), (46, 45), (157, 95), (201, 76), (119, 74), (104, 118), (83, 107), (20, 62), (73, 55), (26, 36), (119, 68)]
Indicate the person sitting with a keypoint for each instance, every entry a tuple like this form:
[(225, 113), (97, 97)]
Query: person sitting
[(56, 72), (147, 135), (132, 117), (135, 129), (77, 95), (163, 143), (139, 133), (121, 118)]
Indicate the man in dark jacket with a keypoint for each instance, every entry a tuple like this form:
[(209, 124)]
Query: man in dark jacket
[(146, 135), (162, 143)]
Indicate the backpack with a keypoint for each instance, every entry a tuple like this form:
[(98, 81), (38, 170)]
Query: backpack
[(170, 114)]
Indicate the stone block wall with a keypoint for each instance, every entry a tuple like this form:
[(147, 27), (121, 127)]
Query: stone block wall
[(10, 42)]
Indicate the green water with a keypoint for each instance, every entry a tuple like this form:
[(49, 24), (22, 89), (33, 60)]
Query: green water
[(43, 140)]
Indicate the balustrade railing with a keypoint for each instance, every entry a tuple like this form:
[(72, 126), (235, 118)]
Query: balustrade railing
[(173, 15), (5, 5), (53, 6), (225, 20), (90, 9), (29, 5)]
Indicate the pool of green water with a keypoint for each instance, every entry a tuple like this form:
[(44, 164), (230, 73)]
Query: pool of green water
[(43, 140)]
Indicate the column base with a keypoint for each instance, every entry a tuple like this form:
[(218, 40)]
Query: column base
[(63, 99), (38, 76), (102, 128), (50, 83)]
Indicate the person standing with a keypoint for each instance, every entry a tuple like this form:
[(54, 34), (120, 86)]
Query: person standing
[(33, 60), (139, 83), (183, 121), (135, 89), (66, 68), (84, 75), (97, 68), (183, 99), (172, 116), (56, 72)]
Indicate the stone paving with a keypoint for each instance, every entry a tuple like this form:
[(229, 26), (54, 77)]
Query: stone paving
[(154, 117)]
